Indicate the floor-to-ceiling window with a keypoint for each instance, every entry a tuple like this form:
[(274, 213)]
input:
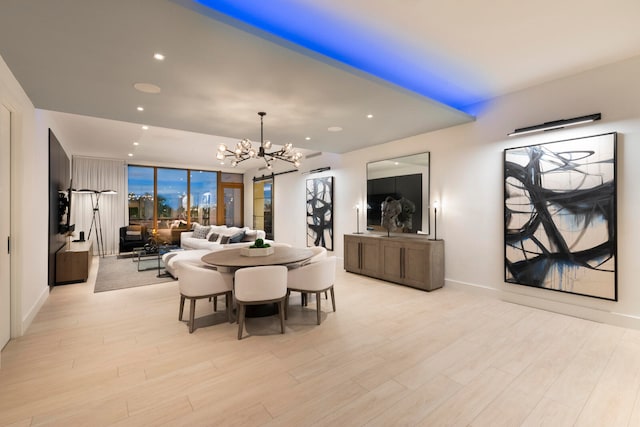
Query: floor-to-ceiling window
[(168, 201), (232, 193), (171, 203), (203, 197), (141, 196)]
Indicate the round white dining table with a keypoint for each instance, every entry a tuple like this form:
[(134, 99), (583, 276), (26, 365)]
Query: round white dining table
[(232, 260)]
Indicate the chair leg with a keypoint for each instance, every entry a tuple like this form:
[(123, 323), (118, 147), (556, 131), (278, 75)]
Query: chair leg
[(227, 302), (318, 297), (240, 319), (181, 312), (192, 315), (333, 299), (286, 304), (215, 304), (281, 313)]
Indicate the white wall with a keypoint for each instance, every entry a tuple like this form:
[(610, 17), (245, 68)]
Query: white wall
[(29, 203), (467, 179)]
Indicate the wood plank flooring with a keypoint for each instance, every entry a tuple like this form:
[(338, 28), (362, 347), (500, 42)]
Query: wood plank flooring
[(389, 356)]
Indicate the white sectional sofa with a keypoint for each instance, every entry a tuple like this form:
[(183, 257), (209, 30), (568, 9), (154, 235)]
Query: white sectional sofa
[(199, 242), (214, 236)]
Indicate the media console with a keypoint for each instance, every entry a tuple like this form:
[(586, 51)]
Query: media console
[(73, 262)]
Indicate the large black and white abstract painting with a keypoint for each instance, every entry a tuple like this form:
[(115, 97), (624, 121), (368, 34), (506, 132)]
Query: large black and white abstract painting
[(560, 216), (320, 212)]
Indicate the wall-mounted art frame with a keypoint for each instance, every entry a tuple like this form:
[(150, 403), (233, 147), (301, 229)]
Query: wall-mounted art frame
[(320, 212), (560, 216)]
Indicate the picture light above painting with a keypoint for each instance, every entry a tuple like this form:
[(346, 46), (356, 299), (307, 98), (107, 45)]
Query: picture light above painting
[(397, 194)]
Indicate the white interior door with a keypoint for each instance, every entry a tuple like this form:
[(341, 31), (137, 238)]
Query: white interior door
[(5, 201)]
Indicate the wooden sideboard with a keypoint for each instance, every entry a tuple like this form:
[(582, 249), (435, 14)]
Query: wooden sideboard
[(413, 261), (73, 262)]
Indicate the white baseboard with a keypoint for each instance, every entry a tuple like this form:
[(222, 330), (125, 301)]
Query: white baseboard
[(28, 319), (589, 313)]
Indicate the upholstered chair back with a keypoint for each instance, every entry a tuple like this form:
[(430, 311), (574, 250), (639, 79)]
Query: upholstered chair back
[(261, 283)]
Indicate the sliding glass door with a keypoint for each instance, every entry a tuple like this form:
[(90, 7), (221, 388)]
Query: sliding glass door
[(168, 201)]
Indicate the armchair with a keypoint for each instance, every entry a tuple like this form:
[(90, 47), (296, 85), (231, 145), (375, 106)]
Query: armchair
[(132, 236)]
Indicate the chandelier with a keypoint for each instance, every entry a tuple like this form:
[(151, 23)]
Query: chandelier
[(245, 150)]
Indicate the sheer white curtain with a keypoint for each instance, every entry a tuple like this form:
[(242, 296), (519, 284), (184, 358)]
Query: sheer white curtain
[(99, 175)]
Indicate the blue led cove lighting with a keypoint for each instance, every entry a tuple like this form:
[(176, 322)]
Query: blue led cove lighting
[(348, 43)]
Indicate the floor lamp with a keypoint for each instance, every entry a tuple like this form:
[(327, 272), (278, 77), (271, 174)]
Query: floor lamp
[(96, 222)]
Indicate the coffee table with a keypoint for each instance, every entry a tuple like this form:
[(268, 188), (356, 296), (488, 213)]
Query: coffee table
[(152, 259)]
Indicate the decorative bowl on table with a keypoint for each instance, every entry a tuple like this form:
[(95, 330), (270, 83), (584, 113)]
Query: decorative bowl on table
[(259, 248), (256, 251)]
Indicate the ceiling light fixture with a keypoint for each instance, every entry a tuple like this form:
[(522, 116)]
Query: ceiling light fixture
[(556, 124), (158, 56), (136, 143), (369, 116), (140, 108), (145, 127), (244, 151)]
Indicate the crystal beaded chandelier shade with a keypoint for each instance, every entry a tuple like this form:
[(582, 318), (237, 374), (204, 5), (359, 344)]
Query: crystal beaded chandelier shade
[(245, 150)]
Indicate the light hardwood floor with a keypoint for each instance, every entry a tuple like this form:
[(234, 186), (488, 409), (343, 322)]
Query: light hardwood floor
[(390, 355)]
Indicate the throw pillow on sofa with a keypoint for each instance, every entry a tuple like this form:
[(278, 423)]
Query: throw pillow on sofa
[(200, 232), (134, 232), (250, 235), (237, 238), (213, 237)]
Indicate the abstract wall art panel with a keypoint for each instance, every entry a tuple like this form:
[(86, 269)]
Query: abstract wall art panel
[(320, 212), (560, 216)]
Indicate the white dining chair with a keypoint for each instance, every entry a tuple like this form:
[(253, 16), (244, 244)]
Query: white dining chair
[(316, 277), (197, 282), (260, 285), (319, 252)]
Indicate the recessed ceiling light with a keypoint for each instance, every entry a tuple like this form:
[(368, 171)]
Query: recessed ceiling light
[(308, 138), (334, 129), (369, 116), (140, 108), (130, 154), (145, 127), (136, 143), (147, 87), (158, 56)]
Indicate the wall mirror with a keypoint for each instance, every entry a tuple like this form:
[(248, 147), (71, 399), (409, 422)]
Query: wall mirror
[(398, 194)]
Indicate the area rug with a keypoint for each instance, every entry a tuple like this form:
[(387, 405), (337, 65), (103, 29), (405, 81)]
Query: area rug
[(114, 273)]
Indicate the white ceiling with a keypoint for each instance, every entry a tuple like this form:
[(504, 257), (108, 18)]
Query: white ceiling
[(82, 57)]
